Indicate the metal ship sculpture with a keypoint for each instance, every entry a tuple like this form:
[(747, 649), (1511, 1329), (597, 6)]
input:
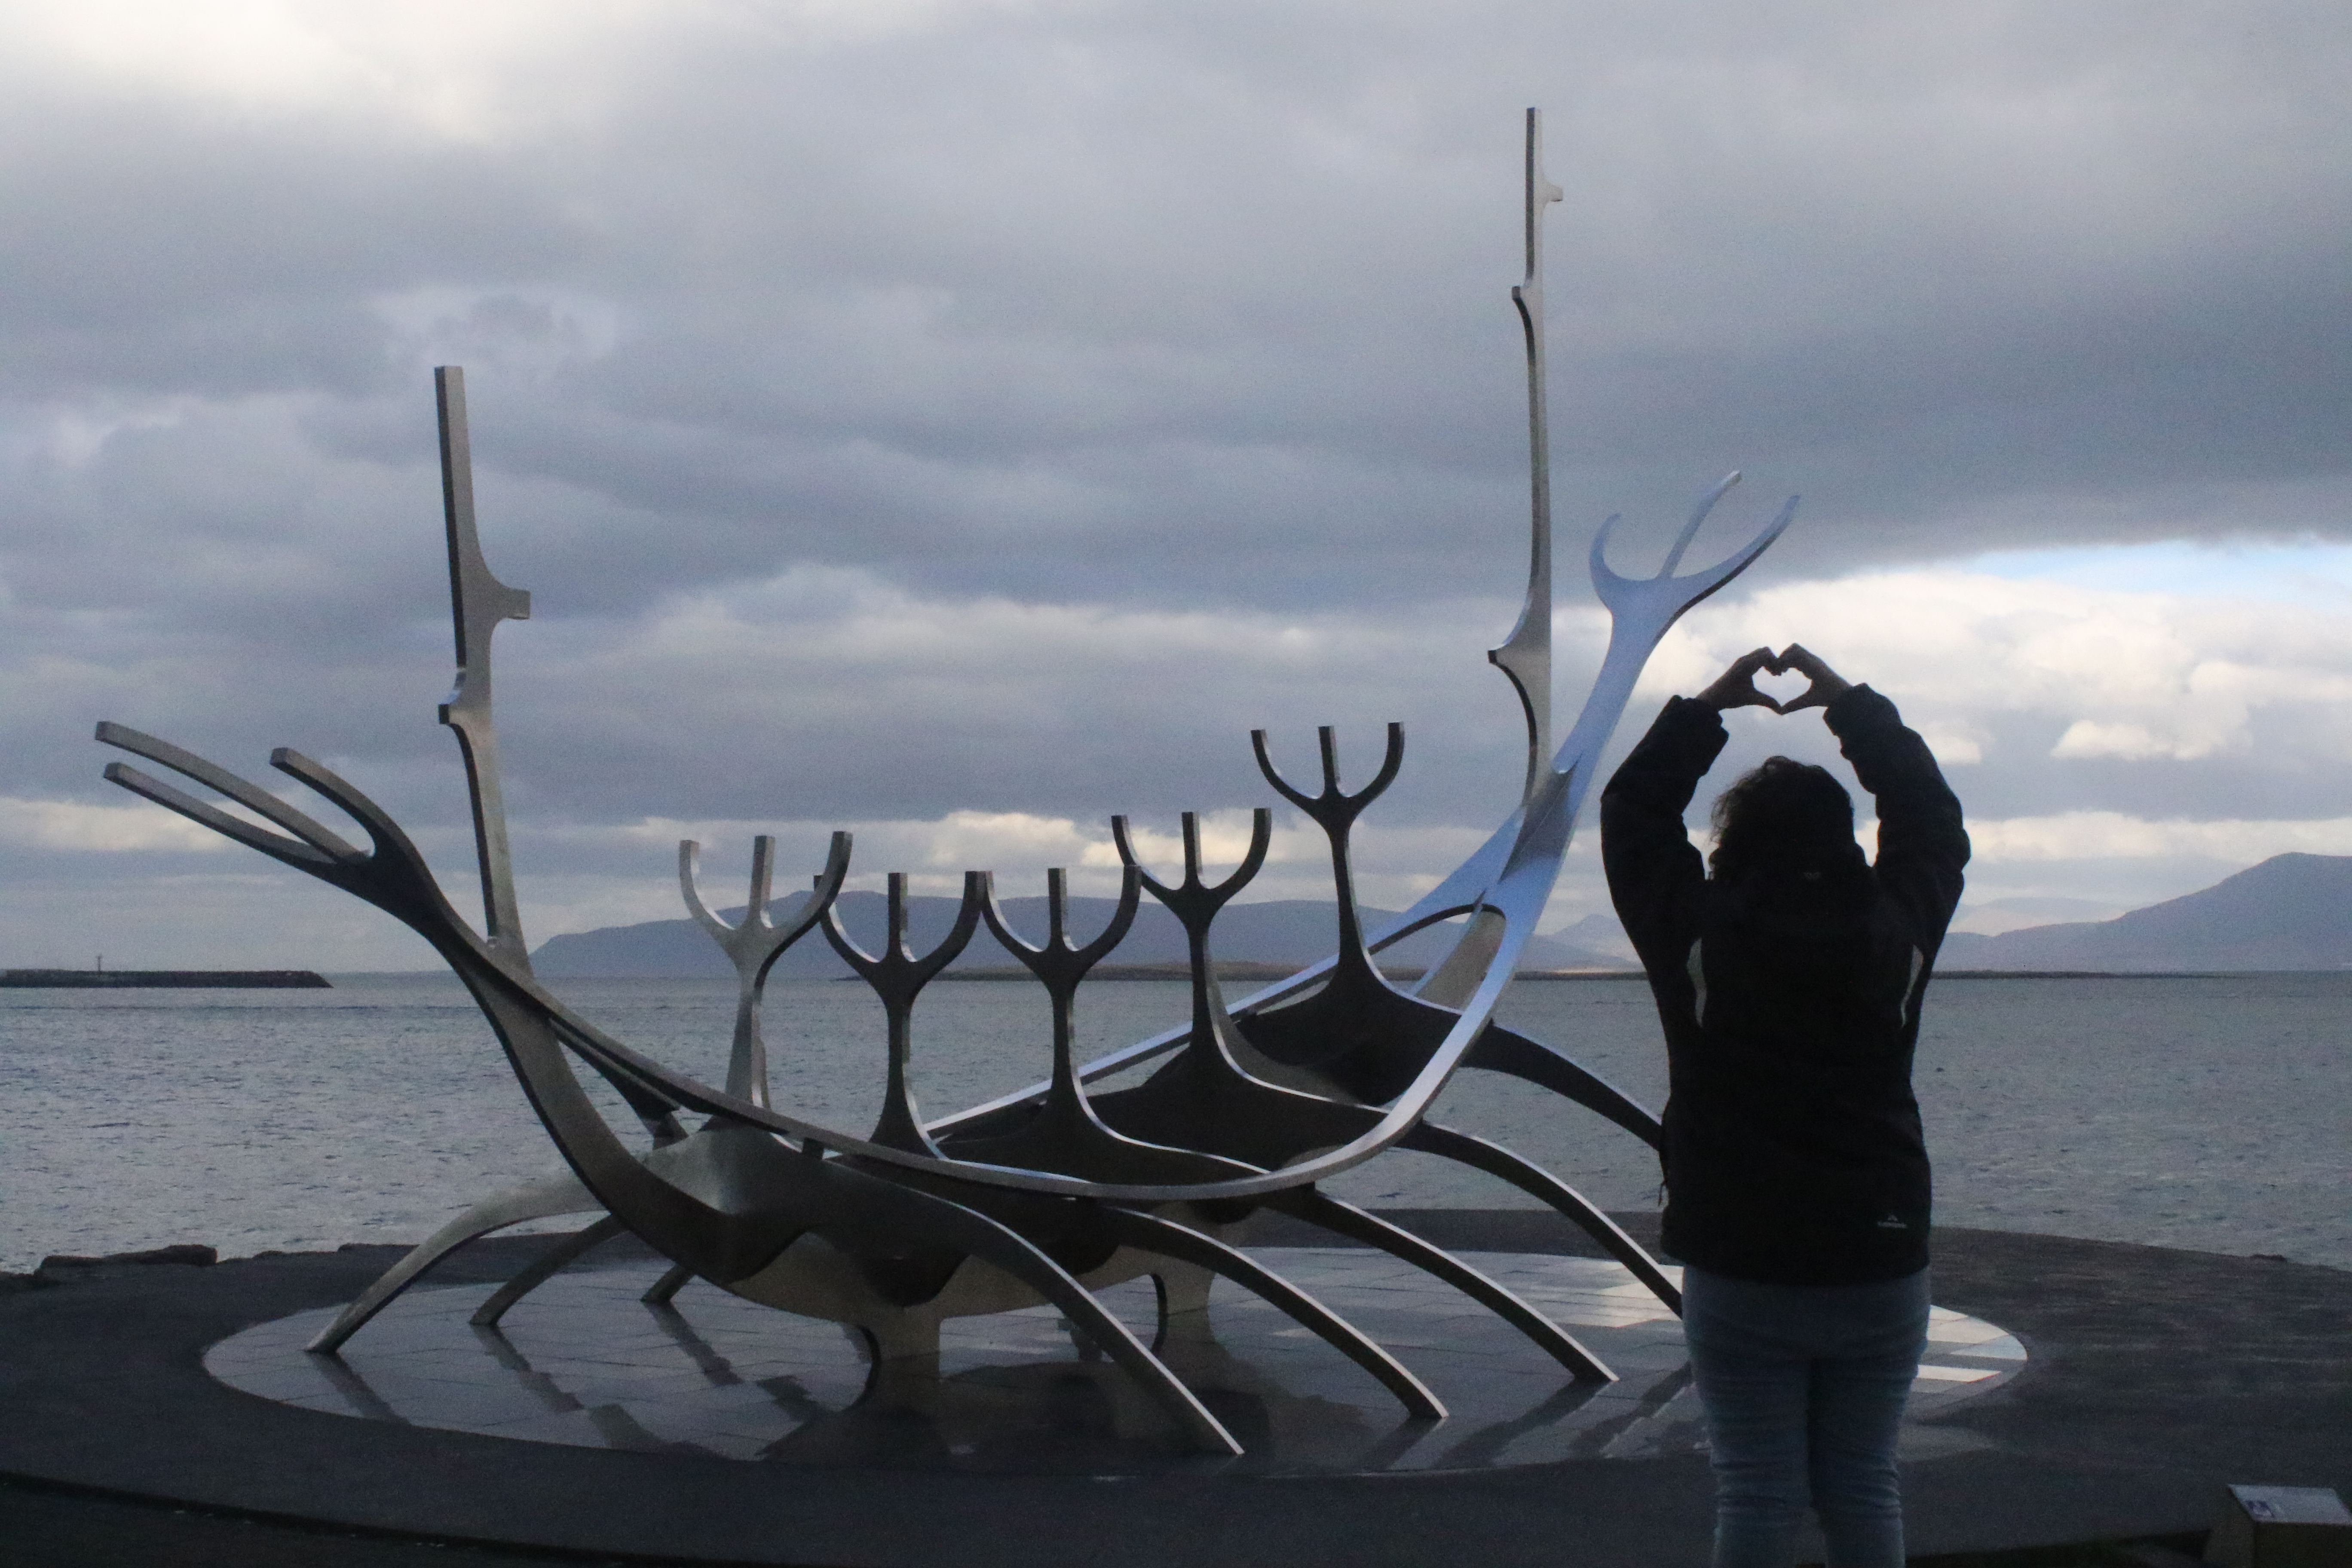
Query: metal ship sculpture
[(1046, 1195)]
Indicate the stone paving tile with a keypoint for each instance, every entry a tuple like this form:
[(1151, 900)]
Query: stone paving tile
[(2004, 1348), (572, 1429)]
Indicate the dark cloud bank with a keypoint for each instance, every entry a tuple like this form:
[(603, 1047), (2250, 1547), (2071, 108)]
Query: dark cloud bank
[(1003, 410)]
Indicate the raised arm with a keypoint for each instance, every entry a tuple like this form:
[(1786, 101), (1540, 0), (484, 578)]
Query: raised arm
[(1922, 845), (1655, 875)]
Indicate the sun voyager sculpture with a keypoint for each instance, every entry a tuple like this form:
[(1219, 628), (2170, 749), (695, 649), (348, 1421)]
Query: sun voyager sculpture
[(1049, 1193)]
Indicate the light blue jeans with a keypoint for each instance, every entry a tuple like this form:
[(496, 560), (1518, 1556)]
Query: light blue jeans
[(1804, 1388)]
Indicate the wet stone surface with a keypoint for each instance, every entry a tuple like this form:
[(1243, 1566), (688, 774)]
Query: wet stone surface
[(583, 1363)]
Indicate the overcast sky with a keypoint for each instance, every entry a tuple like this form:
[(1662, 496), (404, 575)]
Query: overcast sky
[(961, 419)]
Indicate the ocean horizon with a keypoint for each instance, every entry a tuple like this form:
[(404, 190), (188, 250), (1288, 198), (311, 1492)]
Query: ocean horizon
[(2199, 1111)]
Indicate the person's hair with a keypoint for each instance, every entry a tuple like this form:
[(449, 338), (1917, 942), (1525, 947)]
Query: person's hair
[(1783, 811)]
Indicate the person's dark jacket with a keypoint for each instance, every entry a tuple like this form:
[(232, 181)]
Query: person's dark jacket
[(1789, 991)]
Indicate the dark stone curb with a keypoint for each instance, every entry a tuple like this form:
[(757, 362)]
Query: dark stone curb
[(2157, 1377)]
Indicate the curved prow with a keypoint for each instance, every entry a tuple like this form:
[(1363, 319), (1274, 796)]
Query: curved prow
[(1652, 603), (1641, 611)]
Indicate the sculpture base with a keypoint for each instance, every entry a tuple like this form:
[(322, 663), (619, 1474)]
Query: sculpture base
[(2154, 1376), (583, 1362)]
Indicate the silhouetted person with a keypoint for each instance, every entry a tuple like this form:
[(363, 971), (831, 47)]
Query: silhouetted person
[(1788, 971)]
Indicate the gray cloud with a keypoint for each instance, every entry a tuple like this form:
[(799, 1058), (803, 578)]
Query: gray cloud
[(783, 330)]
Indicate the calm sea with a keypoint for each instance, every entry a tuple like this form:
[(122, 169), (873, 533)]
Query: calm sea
[(2206, 1113)]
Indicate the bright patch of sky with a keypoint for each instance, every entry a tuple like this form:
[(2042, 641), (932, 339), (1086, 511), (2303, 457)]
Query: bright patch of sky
[(2303, 571)]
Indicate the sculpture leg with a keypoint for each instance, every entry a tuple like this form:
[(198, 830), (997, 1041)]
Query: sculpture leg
[(559, 1194), (1531, 1178), (542, 1268), (902, 1362), (1078, 1304), (664, 1291), (1152, 1234), (1182, 1289), (1346, 1219), (866, 1203)]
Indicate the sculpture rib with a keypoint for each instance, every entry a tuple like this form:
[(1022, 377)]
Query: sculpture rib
[(1190, 1245), (754, 945), (1480, 1154), (1345, 1219)]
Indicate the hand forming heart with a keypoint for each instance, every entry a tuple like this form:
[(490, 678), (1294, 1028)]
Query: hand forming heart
[(1826, 684), (1736, 688), (1781, 683)]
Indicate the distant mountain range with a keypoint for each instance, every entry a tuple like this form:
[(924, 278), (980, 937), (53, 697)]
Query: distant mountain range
[(2291, 911), (1285, 932)]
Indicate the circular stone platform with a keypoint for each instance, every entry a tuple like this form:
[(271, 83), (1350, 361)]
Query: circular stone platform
[(2154, 1376), (583, 1362)]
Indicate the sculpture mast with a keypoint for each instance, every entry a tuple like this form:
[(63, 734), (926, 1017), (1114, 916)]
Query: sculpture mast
[(478, 602), (1526, 653)]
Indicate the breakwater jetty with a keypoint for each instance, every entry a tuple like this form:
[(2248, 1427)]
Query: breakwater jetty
[(155, 979)]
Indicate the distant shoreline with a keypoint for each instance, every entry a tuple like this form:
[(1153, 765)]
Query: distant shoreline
[(1248, 970), (162, 979), (1242, 970), (1245, 971), (2120, 974)]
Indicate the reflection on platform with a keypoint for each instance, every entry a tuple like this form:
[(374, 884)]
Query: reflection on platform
[(585, 1362)]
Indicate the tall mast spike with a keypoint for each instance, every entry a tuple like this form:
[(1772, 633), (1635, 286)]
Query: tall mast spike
[(478, 602), (1526, 655)]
